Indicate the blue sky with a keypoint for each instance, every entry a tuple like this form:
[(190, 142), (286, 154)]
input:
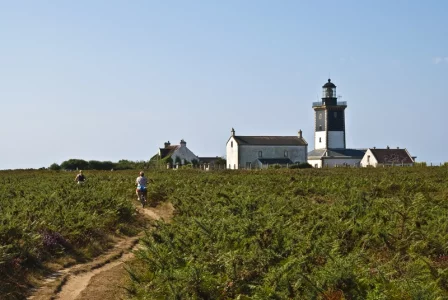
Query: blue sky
[(110, 80)]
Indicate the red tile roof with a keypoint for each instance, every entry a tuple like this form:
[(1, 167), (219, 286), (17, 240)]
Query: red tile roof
[(389, 156)]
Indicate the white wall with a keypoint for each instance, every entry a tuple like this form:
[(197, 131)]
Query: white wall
[(371, 162), (323, 140), (232, 154), (316, 163), (336, 139)]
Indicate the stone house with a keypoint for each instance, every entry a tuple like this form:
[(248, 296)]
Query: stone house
[(177, 153), (250, 152)]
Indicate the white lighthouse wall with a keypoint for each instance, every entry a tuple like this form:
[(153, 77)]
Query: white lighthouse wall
[(320, 140)]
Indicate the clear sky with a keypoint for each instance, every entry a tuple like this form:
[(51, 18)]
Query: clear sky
[(111, 80)]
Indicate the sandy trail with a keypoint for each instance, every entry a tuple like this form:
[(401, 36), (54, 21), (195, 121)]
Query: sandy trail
[(78, 283), (103, 278)]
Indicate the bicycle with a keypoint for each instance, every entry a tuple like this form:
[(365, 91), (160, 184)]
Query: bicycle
[(142, 197)]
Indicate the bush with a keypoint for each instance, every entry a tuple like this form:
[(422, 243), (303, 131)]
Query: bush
[(301, 166)]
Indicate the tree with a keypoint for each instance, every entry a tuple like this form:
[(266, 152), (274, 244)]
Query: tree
[(73, 164), (124, 164), (221, 161), (54, 167)]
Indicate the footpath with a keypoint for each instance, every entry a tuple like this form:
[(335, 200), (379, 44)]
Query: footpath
[(103, 278)]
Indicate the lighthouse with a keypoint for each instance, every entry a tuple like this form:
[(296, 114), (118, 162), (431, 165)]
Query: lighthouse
[(329, 132), (329, 116)]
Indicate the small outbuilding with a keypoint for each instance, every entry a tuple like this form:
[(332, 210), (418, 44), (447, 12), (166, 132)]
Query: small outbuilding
[(328, 158), (375, 157)]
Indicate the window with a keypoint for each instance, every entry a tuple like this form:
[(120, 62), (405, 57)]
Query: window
[(231, 144), (286, 153), (320, 127), (316, 166), (368, 159), (335, 114), (234, 166), (320, 116), (260, 154), (229, 166), (320, 140)]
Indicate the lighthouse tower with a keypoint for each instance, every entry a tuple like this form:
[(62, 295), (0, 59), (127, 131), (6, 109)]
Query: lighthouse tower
[(329, 120)]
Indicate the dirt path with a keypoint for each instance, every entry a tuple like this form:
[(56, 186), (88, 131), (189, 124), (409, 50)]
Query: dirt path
[(105, 277)]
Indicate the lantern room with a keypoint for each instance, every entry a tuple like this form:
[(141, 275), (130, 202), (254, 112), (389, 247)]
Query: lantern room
[(329, 90)]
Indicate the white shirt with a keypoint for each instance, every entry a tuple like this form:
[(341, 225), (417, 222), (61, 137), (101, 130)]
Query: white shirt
[(141, 182)]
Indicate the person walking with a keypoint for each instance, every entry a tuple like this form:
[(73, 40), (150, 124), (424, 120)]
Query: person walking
[(80, 178), (141, 183)]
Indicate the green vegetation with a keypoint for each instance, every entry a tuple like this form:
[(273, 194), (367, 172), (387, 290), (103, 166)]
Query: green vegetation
[(339, 233), (46, 217), (300, 234), (123, 164)]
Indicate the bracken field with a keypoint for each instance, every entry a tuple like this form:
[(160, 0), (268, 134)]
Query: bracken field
[(269, 234)]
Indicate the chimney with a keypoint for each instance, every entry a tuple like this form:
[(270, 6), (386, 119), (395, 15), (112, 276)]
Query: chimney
[(374, 147), (300, 133), (387, 147), (167, 144), (398, 147), (233, 132), (183, 143)]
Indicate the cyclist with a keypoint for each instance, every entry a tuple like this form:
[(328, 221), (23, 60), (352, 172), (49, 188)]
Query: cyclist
[(80, 177), (141, 183)]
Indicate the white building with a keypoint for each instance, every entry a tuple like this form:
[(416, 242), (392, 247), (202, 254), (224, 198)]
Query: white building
[(329, 133), (177, 153), (261, 151), (320, 158), (387, 157)]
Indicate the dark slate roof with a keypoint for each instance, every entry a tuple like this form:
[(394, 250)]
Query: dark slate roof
[(389, 156), (208, 160), (342, 153), (272, 161), (271, 140), (329, 84), (167, 151)]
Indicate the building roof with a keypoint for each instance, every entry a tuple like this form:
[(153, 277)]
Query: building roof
[(271, 140), (168, 151), (390, 156), (208, 160), (273, 161), (336, 153), (329, 84)]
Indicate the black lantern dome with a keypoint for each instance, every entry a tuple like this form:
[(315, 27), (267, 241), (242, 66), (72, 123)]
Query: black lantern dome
[(329, 90)]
